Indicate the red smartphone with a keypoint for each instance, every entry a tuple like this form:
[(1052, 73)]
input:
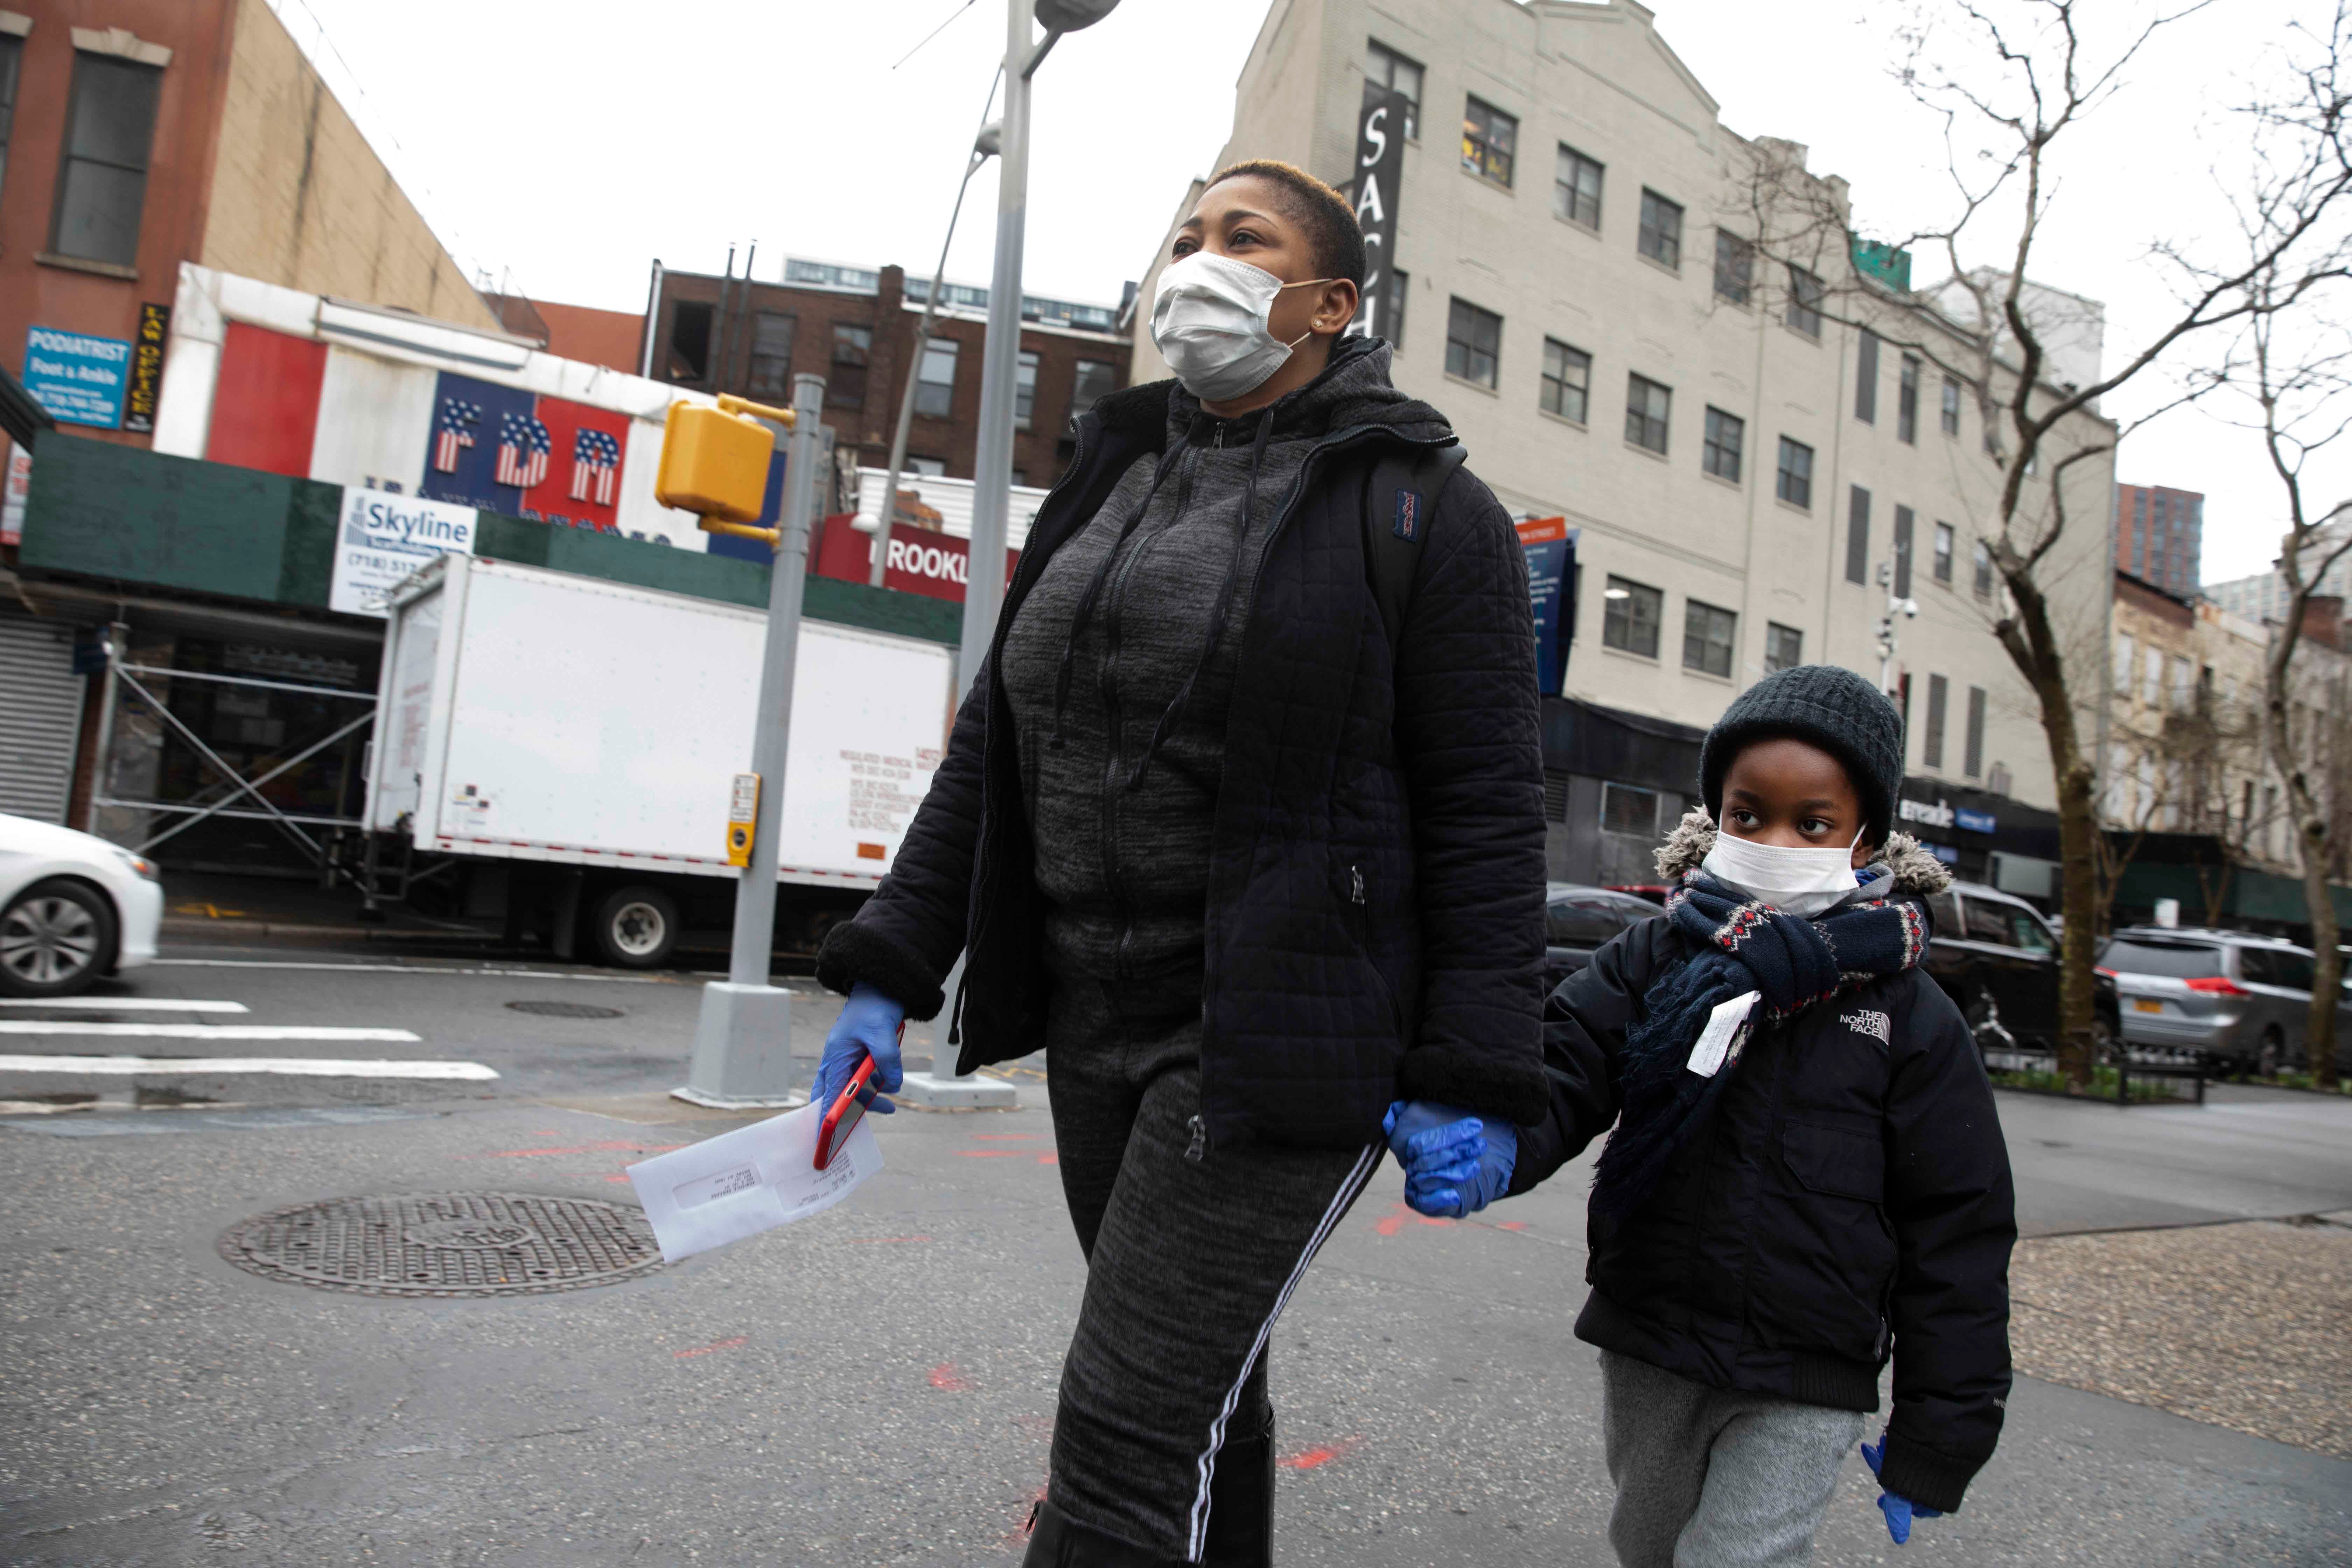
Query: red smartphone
[(848, 1110)]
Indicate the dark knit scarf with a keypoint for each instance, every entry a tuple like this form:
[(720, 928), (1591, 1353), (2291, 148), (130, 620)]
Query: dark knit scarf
[(1743, 946)]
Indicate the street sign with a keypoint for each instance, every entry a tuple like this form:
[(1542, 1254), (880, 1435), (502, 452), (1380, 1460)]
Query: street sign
[(80, 379), (1550, 546)]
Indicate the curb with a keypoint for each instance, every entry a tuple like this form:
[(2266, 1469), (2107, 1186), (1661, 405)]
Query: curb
[(192, 926)]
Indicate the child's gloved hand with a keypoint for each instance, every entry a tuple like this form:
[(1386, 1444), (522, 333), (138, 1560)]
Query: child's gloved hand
[(1899, 1510), (870, 1025), (1455, 1163)]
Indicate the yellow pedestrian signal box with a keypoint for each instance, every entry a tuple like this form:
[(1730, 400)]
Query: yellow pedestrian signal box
[(742, 812), (713, 463)]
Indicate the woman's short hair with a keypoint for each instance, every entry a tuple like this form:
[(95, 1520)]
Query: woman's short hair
[(1333, 234)]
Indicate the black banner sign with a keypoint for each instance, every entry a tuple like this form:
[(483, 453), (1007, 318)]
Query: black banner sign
[(1380, 169), (147, 368)]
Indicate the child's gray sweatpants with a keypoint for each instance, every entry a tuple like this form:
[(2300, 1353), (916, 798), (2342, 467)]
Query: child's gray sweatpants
[(1706, 1477)]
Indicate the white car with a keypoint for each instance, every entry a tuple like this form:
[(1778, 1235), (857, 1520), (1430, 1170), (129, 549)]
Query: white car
[(72, 908)]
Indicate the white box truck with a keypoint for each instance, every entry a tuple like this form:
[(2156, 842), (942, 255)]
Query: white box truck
[(560, 751)]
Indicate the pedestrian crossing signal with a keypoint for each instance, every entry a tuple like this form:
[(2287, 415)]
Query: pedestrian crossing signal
[(742, 812)]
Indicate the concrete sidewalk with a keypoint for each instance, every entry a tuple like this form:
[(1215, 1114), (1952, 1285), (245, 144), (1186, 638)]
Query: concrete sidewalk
[(876, 1384)]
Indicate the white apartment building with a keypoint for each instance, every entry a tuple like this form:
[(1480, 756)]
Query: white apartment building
[(1576, 295), (2265, 595)]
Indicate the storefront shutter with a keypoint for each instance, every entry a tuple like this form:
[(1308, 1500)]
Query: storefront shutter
[(40, 717)]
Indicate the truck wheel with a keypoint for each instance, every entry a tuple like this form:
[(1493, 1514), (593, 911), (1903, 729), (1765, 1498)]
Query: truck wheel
[(55, 939), (636, 927)]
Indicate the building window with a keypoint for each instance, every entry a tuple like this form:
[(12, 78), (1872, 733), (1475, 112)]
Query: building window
[(1906, 400), (1706, 637), (935, 380), (1931, 745), (1866, 378), (1473, 342), (852, 347), (1386, 68), (1489, 137), (102, 176), (1972, 761), (1805, 302), (1857, 535), (1630, 615), (689, 342), (1576, 188), (1025, 390), (1735, 267), (1400, 286), (1094, 380), (1719, 454), (1906, 521), (1628, 808), (1984, 570), (929, 467), (1943, 553), (771, 354), (1951, 405), (1661, 238), (1648, 406), (1567, 381), (1795, 484), (12, 59), (1784, 647)]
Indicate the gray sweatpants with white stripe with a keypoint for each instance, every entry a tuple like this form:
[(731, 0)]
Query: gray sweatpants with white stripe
[(1190, 1258)]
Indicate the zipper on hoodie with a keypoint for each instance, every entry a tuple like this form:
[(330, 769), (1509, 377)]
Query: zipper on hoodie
[(1198, 1150)]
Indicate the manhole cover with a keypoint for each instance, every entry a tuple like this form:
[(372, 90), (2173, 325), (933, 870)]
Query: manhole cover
[(565, 1010), (447, 1243)]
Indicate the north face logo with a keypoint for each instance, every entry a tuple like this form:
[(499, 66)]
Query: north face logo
[(1877, 1025)]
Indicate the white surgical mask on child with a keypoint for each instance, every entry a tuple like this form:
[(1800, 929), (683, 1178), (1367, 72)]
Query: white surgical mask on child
[(1801, 882), (1209, 321)]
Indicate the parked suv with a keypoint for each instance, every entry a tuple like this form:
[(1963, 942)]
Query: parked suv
[(2240, 1000), (1997, 959), (1578, 919)]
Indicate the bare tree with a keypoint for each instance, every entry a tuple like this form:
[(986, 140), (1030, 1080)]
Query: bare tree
[(2013, 81)]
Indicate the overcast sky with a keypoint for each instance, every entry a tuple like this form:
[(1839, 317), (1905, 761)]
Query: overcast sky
[(571, 144)]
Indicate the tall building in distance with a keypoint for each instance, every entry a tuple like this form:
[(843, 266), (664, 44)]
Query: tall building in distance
[(2159, 534), (2264, 597)]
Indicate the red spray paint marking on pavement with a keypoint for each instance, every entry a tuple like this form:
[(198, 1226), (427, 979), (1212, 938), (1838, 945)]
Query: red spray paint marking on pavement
[(1398, 1216), (1049, 1159), (949, 1376), (721, 1346), (1512, 1224), (616, 1178), (1320, 1455), (993, 1154), (604, 1146)]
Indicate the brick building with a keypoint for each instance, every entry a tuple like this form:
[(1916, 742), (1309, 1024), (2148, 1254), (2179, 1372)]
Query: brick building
[(2159, 536), (856, 326)]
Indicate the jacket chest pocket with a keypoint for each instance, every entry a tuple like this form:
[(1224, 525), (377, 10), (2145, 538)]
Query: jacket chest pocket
[(1841, 1161)]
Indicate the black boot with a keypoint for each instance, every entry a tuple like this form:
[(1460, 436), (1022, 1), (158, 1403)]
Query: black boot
[(1241, 1504), (1057, 1540)]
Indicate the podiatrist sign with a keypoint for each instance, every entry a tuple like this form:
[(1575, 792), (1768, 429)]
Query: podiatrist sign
[(385, 537), (79, 379)]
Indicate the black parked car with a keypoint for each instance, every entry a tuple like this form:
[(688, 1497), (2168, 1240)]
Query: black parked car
[(1997, 959), (1578, 919)]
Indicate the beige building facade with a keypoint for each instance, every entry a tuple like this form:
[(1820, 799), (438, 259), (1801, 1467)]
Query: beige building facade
[(1755, 462)]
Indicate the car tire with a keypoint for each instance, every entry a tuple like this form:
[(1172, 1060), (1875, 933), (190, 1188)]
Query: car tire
[(636, 928), (2271, 1054), (56, 938)]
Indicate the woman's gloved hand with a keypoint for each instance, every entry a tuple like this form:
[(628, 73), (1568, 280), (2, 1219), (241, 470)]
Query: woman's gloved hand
[(1455, 1163), (1899, 1510), (870, 1025)]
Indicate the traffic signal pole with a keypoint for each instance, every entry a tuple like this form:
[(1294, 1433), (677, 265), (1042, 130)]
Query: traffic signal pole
[(743, 1038)]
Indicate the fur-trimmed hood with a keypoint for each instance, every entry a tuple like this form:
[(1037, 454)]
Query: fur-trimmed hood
[(1902, 856)]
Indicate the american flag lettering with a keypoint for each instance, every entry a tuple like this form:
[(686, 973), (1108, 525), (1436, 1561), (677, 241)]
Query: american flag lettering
[(524, 447), (595, 466), (454, 433)]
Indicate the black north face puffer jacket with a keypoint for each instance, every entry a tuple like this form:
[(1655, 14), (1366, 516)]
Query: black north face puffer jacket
[(1850, 1196), (1374, 928)]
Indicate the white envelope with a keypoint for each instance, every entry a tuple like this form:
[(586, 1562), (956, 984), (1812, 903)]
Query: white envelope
[(750, 1180)]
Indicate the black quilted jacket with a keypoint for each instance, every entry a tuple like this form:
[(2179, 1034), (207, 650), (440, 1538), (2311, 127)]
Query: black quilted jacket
[(1375, 919)]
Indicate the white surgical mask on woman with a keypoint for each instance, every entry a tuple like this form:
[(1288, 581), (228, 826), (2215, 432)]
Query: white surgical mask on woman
[(1801, 882), (1209, 319)]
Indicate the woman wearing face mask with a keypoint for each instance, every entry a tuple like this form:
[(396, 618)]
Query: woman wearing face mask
[(1807, 1174), (1243, 820)]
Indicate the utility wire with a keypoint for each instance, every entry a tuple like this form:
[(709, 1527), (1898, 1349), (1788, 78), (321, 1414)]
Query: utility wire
[(934, 33)]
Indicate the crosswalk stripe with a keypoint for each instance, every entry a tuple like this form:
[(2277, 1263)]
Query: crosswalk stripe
[(204, 1031), (122, 1005), (293, 1067)]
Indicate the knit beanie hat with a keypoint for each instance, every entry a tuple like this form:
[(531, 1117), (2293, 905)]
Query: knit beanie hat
[(1822, 705)]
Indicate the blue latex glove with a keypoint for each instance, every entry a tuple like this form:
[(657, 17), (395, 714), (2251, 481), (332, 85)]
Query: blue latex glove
[(1455, 1163), (1899, 1510), (870, 1025)]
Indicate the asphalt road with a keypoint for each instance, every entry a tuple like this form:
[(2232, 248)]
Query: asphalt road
[(875, 1384)]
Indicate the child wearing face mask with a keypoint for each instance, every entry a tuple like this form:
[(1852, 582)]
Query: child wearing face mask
[(1806, 1175)]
